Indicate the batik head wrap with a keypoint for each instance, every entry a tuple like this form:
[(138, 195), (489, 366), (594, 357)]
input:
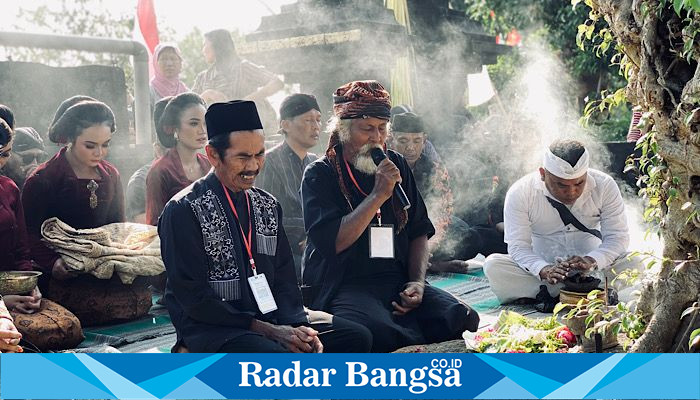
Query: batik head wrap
[(362, 99)]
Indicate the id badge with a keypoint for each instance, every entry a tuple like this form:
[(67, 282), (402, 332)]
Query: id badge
[(381, 241), (262, 293)]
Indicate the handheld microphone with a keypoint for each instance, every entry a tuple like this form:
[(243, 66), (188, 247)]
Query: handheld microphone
[(377, 156)]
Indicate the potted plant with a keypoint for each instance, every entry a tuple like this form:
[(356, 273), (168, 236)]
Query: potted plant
[(592, 316)]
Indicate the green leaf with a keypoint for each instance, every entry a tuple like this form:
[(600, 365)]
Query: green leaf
[(625, 324), (695, 4), (647, 213), (693, 334), (678, 6), (616, 329), (589, 32), (620, 96), (558, 307), (589, 319)]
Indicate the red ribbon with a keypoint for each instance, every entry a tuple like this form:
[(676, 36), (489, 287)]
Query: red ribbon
[(247, 242), (354, 181)]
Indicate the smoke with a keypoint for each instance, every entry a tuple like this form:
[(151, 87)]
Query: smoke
[(530, 113), (642, 239), (536, 108)]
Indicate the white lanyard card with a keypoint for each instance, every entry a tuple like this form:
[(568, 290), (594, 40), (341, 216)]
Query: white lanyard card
[(381, 241), (262, 293)]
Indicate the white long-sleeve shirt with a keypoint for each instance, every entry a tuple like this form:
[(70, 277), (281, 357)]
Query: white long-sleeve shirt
[(536, 235)]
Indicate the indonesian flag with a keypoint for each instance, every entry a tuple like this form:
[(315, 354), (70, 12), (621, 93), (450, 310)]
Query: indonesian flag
[(146, 28)]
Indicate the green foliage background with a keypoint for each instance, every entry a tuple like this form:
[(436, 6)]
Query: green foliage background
[(555, 23)]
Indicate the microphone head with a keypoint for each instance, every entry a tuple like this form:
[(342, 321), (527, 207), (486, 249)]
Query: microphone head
[(377, 155)]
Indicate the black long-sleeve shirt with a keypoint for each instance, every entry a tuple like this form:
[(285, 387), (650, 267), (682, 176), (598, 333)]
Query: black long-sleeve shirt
[(203, 254), (324, 208)]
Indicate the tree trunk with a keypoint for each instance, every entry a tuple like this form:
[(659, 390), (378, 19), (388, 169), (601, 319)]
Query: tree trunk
[(668, 86)]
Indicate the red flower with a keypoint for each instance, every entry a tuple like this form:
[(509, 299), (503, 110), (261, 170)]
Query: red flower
[(566, 336)]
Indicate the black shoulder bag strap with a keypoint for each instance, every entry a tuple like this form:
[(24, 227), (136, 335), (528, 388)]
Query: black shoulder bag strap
[(568, 218)]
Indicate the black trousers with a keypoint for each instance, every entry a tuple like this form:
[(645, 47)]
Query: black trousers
[(461, 242), (440, 316), (337, 335), (491, 240), (464, 242)]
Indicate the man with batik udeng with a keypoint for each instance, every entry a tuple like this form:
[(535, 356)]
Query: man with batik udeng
[(366, 255)]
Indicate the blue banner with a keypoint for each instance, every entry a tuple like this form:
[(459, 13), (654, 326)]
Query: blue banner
[(344, 376)]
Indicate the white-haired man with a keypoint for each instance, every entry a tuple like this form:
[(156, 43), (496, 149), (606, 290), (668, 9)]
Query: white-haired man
[(367, 254), (564, 218)]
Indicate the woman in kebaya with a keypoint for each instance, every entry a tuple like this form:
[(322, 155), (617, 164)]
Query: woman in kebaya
[(77, 185), (181, 129), (29, 310)]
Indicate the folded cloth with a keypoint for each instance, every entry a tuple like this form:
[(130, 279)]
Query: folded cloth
[(127, 249)]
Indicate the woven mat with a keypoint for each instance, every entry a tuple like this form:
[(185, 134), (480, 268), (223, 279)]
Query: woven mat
[(473, 288), (154, 326), (159, 344), (155, 332)]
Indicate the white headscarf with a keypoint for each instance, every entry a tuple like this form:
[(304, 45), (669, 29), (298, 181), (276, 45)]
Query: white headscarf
[(562, 168)]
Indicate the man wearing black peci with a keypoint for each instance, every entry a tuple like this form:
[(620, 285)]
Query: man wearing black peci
[(231, 281)]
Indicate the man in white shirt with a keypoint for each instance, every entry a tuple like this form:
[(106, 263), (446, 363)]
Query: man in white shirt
[(542, 248)]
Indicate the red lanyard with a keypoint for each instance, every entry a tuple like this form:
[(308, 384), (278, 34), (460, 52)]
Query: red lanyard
[(246, 242), (354, 181)]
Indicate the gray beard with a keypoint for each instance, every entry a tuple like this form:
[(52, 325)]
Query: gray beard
[(364, 164), (363, 160)]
